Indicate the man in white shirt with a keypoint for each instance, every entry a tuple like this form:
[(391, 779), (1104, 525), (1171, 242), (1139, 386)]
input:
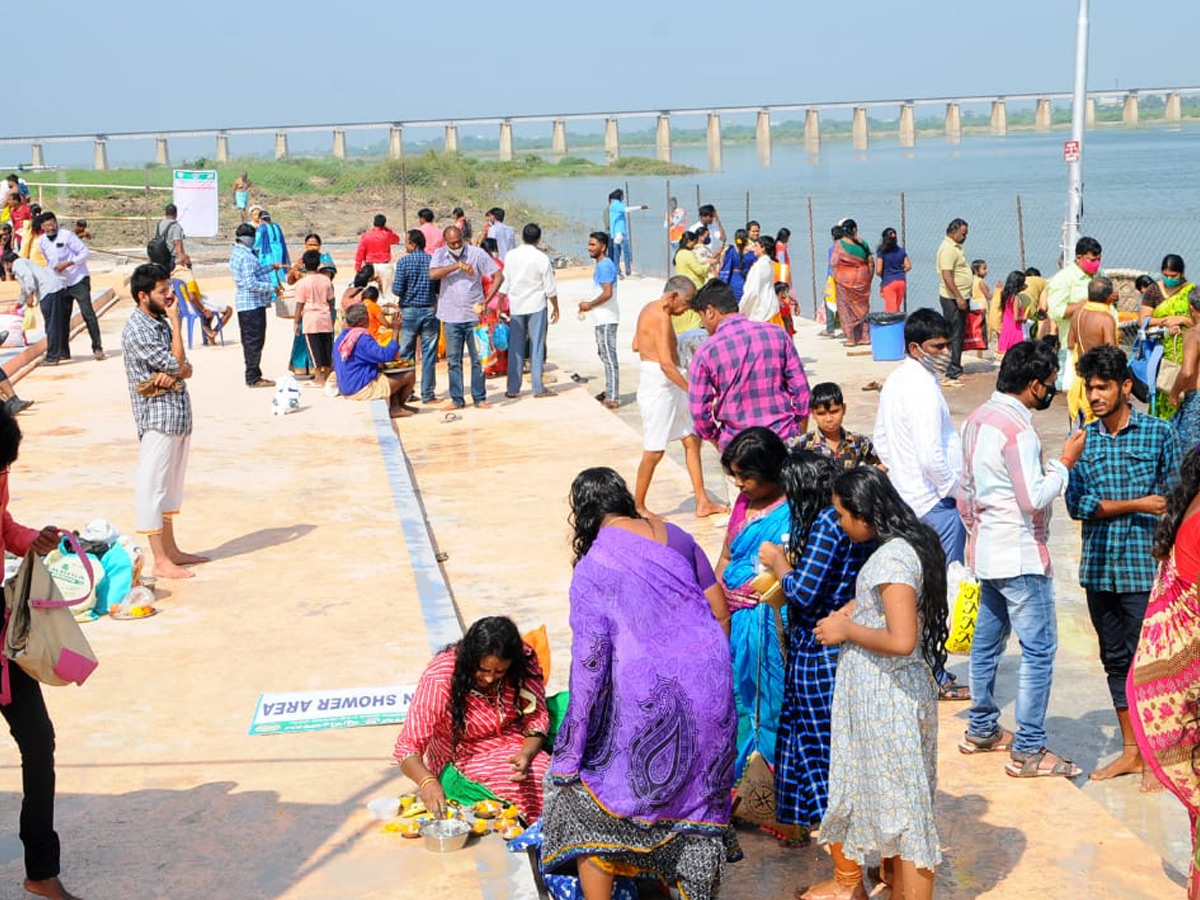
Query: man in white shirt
[(917, 441), (1007, 493), (67, 256), (529, 280), (712, 220), (915, 436)]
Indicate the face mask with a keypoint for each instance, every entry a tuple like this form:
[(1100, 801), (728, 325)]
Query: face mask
[(1089, 266), (456, 253), (1172, 282), (1046, 399), (246, 240), (937, 363)]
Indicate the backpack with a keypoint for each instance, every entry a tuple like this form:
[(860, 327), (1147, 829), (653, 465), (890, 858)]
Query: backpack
[(157, 248)]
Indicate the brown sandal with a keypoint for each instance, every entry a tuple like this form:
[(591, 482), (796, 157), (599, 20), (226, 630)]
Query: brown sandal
[(995, 743), (1030, 766)]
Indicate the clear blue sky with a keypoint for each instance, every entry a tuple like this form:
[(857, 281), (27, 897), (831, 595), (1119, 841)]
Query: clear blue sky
[(140, 65)]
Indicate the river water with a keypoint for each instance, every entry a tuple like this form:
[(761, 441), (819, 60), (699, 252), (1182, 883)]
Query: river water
[(1141, 199)]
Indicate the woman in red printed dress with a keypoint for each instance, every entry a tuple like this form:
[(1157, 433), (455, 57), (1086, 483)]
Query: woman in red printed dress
[(481, 707)]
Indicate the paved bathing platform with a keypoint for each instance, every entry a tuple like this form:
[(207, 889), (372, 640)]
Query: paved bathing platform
[(324, 525)]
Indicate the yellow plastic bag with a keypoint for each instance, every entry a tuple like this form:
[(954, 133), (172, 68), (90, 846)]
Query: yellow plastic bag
[(964, 609)]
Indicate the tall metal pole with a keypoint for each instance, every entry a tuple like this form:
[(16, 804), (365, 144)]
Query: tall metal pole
[(1078, 120)]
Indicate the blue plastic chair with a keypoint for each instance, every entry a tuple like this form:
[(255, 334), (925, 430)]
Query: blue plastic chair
[(189, 314)]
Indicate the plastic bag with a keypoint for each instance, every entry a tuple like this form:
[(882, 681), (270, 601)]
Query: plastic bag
[(500, 336), (72, 579), (483, 344), (962, 598), (287, 396)]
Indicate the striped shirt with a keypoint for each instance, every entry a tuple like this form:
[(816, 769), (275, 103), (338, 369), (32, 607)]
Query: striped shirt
[(747, 373), (1007, 491), (255, 287)]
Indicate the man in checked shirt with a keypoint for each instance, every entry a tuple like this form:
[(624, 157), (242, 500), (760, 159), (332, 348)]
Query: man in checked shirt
[(156, 370), (1117, 489)]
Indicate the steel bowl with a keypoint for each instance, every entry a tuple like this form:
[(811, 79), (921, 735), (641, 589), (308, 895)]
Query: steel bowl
[(446, 835)]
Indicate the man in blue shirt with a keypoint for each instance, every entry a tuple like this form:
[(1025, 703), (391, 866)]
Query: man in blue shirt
[(618, 230), (356, 361), (1118, 490), (418, 310), (256, 291)]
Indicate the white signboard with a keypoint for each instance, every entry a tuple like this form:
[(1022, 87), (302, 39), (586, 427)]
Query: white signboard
[(337, 708), (197, 197)]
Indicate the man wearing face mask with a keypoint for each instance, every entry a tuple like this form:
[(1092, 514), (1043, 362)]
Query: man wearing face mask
[(255, 292), (1066, 292), (67, 256), (917, 441), (1005, 502)]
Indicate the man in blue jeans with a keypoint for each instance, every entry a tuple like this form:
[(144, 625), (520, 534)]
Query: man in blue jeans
[(460, 268), (1005, 503), (418, 311)]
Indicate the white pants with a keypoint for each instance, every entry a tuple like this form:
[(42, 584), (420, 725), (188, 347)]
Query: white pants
[(158, 491)]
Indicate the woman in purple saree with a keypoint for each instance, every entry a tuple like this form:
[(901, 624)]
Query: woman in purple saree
[(642, 773)]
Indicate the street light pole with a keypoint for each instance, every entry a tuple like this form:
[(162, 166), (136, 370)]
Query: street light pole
[(1078, 120)]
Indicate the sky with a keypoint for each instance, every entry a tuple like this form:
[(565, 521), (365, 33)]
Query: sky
[(140, 65)]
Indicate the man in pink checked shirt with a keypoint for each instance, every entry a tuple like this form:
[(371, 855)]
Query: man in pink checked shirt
[(746, 373)]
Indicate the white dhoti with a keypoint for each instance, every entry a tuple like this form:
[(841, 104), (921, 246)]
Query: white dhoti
[(158, 491), (664, 408)]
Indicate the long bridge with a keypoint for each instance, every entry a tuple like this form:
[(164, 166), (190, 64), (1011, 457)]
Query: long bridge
[(1129, 100)]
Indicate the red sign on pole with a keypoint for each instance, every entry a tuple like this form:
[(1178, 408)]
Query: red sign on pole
[(1070, 151)]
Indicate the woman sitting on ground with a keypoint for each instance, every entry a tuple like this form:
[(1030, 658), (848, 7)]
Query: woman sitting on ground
[(479, 714)]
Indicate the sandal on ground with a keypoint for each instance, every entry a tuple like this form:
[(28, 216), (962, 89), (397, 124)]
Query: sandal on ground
[(953, 691), (612, 404), (872, 386), (1030, 766), (995, 743)]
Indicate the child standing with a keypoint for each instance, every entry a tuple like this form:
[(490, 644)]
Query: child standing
[(883, 754), (830, 439), (817, 570)]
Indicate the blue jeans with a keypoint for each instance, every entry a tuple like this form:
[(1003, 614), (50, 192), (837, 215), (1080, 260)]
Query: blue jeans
[(533, 326), (945, 520), (1024, 604), (421, 322), (457, 334)]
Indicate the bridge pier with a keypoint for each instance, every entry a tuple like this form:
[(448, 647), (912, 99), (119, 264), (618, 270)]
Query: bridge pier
[(558, 138), (1090, 115), (612, 140), (451, 139), (222, 148), (999, 118), (339, 144), (762, 137), (100, 155), (162, 154), (812, 131), (662, 138), (714, 142), (953, 123), (1129, 115), (36, 158), (506, 142), (1174, 108), (1043, 118), (858, 130), (908, 126), (395, 142), (281, 145)]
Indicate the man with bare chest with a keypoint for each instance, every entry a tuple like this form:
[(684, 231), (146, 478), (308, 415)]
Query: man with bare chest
[(662, 395), (1093, 324)]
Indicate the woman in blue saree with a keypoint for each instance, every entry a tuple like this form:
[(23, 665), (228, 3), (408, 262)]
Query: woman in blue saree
[(755, 459)]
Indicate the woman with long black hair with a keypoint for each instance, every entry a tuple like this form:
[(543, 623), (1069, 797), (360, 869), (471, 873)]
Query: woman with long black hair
[(480, 713), (883, 756)]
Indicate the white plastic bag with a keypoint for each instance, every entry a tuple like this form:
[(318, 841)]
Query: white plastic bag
[(287, 396)]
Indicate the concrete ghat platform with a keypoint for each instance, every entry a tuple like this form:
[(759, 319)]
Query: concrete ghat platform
[(323, 577)]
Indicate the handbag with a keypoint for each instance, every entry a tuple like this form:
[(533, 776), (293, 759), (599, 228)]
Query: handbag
[(964, 609), (1164, 381), (40, 633)]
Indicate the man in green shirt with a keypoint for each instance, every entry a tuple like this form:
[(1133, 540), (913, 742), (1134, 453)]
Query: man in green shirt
[(1066, 292), (954, 290)]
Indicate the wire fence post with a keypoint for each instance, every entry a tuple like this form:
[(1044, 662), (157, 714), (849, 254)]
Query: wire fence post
[(1021, 231), (697, 200), (903, 221), (628, 228), (146, 208), (812, 257), (403, 197), (747, 206)]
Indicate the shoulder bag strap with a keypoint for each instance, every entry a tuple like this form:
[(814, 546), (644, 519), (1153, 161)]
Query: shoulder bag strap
[(46, 603)]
